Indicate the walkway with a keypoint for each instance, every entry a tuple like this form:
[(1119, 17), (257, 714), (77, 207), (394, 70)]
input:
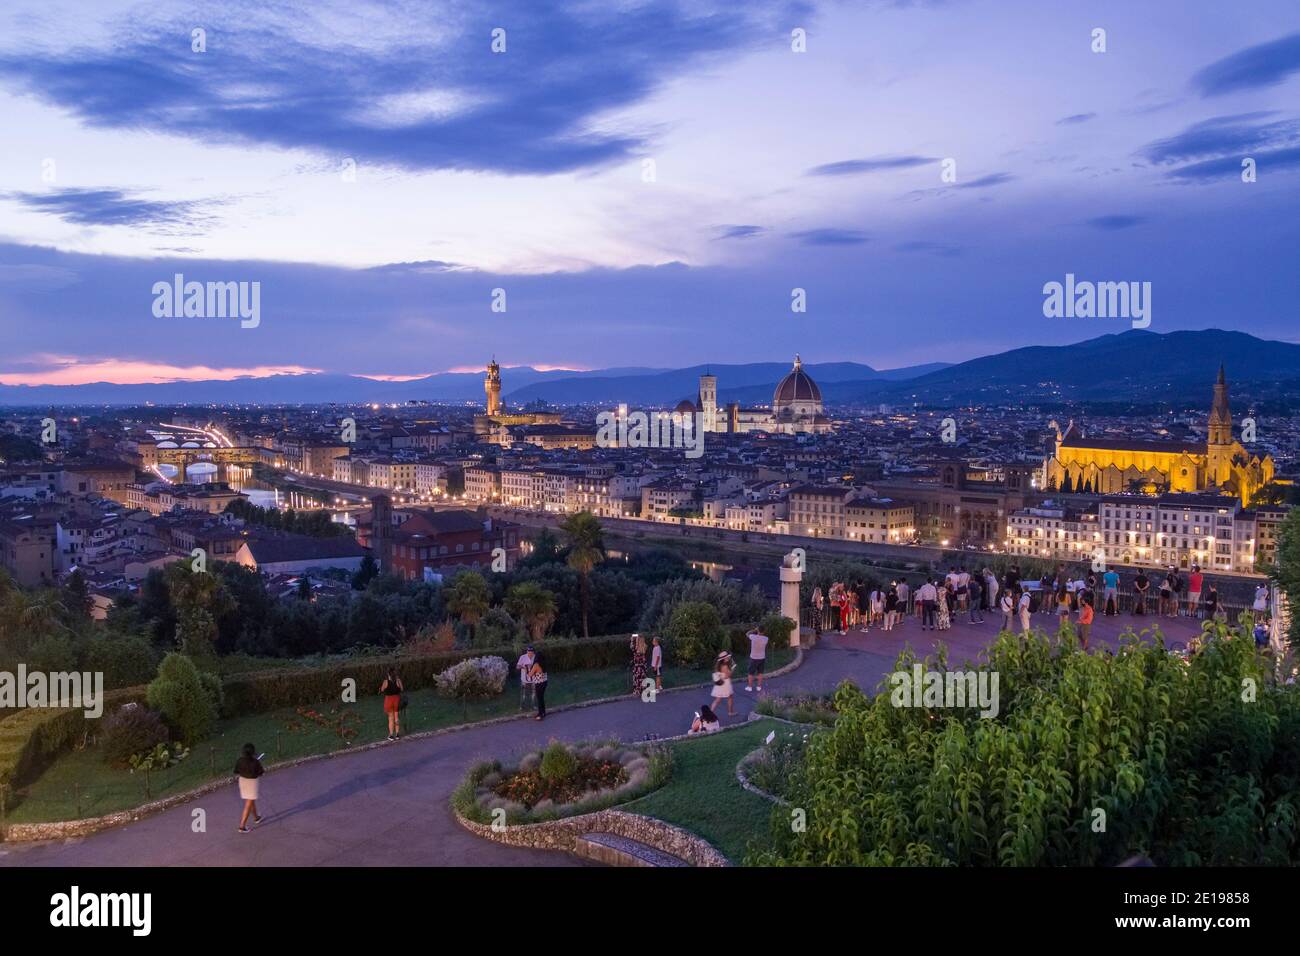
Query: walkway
[(389, 805)]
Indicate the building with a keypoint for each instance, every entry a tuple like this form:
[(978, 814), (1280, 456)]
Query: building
[(1054, 531), (493, 424), (1211, 531), (428, 542), (797, 407), (820, 510), (1115, 466), (959, 509), (161, 498), (879, 520), (483, 483), (297, 553), (27, 551)]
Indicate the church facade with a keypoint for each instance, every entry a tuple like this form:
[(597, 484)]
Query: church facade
[(1110, 466)]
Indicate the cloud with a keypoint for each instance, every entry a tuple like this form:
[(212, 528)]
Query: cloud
[(1221, 136), (1230, 166), (849, 167), (984, 182), (739, 232), (80, 370), (113, 207), (831, 237), (1115, 222), (405, 88), (1265, 64), (1075, 119), (925, 245)]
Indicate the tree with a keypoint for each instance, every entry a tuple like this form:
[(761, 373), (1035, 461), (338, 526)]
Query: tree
[(695, 633), (196, 636), (468, 598), (1067, 485), (366, 573), (534, 605), (76, 595), (1286, 569), (586, 550), (304, 588), (185, 700)]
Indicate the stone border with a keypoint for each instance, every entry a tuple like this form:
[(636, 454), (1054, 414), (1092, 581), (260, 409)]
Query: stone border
[(563, 834), (743, 778), (63, 829)]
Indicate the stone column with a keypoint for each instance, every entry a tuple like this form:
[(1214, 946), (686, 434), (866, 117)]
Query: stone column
[(791, 576)]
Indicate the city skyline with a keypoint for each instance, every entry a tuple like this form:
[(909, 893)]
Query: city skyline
[(773, 171)]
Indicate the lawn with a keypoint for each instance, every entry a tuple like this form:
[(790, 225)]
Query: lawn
[(79, 784), (704, 796)]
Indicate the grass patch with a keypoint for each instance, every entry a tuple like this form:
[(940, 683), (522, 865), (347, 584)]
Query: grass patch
[(703, 795), (79, 784)]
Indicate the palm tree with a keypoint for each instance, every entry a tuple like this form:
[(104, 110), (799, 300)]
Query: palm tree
[(468, 598), (534, 605), (586, 550)]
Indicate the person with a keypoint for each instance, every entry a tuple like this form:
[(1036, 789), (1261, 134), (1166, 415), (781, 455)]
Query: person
[(392, 691), (638, 664), (903, 592), (1261, 602), (1212, 603), (1194, 582), (1026, 602), (962, 590), (657, 663), (524, 665), (757, 659), (1173, 592), (944, 605), (990, 590), (704, 722), (1166, 588), (1261, 633), (926, 597), (537, 676), (891, 607), (976, 593), (1085, 622), (1008, 606), (1141, 585), (877, 605), (1046, 593), (1110, 596), (722, 682), (862, 605), (248, 769), (1180, 589), (1062, 604), (818, 605)]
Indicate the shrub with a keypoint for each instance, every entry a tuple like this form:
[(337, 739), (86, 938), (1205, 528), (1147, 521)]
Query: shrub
[(124, 661), (131, 731), (778, 629), (497, 629), (478, 678), (695, 634), (733, 603), (558, 763), (51, 653), (183, 697)]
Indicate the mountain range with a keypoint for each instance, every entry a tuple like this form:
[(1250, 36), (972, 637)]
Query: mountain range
[(1135, 365)]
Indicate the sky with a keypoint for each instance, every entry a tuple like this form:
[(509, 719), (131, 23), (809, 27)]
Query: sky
[(417, 187)]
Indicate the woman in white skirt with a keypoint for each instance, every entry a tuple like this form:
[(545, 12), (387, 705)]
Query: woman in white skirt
[(722, 683), (248, 769)]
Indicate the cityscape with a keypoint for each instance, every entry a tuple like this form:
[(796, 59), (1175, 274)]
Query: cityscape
[(504, 466)]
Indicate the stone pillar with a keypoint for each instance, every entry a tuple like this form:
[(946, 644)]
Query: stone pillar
[(791, 576)]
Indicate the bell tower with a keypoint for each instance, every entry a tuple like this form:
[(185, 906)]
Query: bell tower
[(708, 403), (492, 385), (1218, 463)]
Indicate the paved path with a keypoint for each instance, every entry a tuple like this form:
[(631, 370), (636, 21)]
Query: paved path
[(389, 805)]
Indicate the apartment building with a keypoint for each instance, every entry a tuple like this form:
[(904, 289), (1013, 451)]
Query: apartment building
[(819, 510), (27, 551), (880, 520), (483, 483), (1054, 531), (1212, 531)]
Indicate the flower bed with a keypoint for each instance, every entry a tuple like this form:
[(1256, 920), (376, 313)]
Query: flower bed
[(561, 781), (800, 708), (771, 768)]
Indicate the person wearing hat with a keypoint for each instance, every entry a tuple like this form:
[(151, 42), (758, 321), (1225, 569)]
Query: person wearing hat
[(722, 668)]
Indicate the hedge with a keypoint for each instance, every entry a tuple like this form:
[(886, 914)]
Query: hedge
[(31, 738)]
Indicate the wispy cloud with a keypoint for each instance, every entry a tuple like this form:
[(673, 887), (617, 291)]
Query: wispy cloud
[(1266, 161), (409, 95), (114, 207), (739, 232), (831, 237), (929, 246), (1115, 222), (851, 167), (986, 182), (1075, 119), (1265, 64), (1221, 135), (81, 370)]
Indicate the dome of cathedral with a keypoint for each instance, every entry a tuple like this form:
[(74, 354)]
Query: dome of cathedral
[(685, 407), (797, 386)]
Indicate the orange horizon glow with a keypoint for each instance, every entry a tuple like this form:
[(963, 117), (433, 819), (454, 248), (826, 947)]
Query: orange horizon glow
[(67, 370)]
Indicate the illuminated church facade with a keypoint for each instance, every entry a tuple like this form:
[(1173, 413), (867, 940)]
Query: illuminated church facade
[(1114, 466)]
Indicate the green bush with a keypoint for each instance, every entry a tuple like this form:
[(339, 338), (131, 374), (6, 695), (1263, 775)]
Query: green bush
[(695, 634), (124, 661), (778, 630), (130, 731), (1195, 763), (558, 762), (51, 653), (30, 739), (184, 698)]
